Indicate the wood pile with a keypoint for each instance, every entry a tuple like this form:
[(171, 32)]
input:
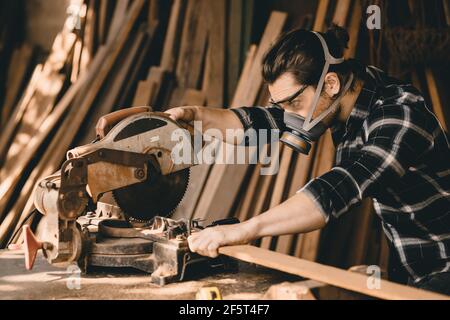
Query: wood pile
[(171, 53)]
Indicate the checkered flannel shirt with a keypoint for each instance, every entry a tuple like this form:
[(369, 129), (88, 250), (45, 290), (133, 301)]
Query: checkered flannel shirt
[(392, 149)]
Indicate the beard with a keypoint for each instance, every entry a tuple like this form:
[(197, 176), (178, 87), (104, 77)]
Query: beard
[(331, 119)]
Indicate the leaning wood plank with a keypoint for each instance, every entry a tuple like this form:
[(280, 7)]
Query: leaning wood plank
[(102, 21), (279, 187), (8, 131), (172, 41), (214, 84), (234, 43), (286, 155), (117, 81), (144, 93), (321, 14), (327, 274), (325, 151), (55, 152), (119, 15), (20, 63), (435, 99), (42, 103), (301, 174), (216, 204), (193, 45), (199, 173), (355, 27), (244, 77), (341, 13)]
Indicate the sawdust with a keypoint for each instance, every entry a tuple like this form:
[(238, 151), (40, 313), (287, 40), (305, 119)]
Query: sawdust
[(225, 281), (172, 289), (243, 296)]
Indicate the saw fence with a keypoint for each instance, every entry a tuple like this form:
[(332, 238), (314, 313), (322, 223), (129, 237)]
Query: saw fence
[(117, 54)]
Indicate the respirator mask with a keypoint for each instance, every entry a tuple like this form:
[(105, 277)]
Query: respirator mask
[(302, 132)]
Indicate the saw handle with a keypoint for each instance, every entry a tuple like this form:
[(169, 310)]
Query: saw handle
[(107, 122)]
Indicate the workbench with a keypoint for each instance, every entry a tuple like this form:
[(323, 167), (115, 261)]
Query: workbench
[(46, 282)]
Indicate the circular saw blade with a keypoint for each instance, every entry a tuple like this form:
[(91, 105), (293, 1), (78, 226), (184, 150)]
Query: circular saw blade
[(158, 196)]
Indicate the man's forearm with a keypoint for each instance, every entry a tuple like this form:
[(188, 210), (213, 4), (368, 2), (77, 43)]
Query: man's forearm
[(299, 214), (219, 119)]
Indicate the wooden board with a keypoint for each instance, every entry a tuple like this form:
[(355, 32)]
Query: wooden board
[(17, 73), (216, 204), (214, 79), (330, 275)]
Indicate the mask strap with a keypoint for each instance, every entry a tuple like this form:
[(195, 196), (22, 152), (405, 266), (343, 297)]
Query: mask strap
[(329, 60)]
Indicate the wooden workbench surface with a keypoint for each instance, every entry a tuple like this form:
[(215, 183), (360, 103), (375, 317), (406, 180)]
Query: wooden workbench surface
[(48, 282)]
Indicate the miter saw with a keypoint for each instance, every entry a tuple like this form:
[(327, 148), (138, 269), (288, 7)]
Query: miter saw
[(132, 158)]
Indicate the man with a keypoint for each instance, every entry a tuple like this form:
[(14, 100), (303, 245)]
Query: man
[(389, 147)]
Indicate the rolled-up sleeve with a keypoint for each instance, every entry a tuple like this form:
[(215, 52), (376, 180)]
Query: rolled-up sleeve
[(396, 137)]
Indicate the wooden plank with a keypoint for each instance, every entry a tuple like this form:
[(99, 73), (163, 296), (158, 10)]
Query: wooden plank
[(234, 46), (193, 46), (144, 93), (88, 37), (326, 154), (107, 104), (172, 41), (119, 16), (214, 84), (279, 187), (102, 30), (435, 99), (341, 13), (20, 62), (216, 204), (8, 132), (42, 102), (354, 29), (446, 4), (129, 89), (286, 155), (330, 275), (301, 172), (319, 24), (199, 173)]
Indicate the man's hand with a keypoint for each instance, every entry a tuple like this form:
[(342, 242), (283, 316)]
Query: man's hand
[(208, 241), (186, 114)]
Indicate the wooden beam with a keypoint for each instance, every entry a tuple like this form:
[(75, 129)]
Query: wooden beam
[(216, 204), (327, 274)]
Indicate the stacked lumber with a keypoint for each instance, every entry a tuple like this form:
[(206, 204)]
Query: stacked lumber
[(16, 57)]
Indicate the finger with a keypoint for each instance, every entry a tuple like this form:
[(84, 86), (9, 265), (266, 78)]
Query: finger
[(192, 244), (204, 245), (175, 114), (213, 250)]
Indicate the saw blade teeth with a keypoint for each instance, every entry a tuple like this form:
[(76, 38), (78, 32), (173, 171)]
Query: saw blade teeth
[(156, 197)]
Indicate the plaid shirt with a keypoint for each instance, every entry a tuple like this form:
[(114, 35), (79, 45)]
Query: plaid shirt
[(392, 149)]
